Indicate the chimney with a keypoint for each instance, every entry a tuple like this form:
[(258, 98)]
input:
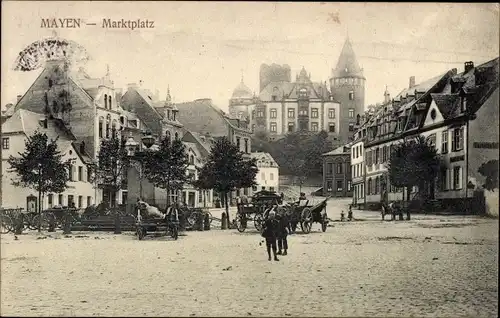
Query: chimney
[(82, 147), (19, 98), (468, 66), (412, 82)]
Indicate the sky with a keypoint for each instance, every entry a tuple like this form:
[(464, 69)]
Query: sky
[(203, 49)]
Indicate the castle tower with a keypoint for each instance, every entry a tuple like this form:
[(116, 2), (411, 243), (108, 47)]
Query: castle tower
[(347, 85)]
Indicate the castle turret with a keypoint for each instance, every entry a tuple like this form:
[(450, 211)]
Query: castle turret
[(347, 85)]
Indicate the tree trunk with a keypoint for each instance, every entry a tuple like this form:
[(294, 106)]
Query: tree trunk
[(168, 195), (39, 211), (112, 200), (227, 208)]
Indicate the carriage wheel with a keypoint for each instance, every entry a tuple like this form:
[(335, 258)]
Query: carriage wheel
[(209, 217), (241, 222), (141, 232), (6, 224), (191, 219), (306, 220), (258, 220), (34, 222), (324, 222)]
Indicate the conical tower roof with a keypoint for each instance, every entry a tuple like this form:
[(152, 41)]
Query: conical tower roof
[(347, 65)]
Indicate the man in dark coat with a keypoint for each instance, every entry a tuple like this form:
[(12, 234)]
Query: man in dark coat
[(270, 231), (282, 232)]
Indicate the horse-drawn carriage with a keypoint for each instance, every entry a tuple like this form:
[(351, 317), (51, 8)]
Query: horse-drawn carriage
[(305, 214), (297, 213), (150, 221), (255, 210)]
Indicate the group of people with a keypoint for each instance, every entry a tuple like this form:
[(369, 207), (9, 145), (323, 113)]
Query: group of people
[(276, 229)]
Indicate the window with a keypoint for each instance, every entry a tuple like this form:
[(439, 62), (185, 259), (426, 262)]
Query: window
[(458, 139), (349, 184), (331, 127), (253, 114), (457, 178), (331, 113), (50, 199), (273, 127), (377, 155), (109, 101), (351, 113), (260, 114), (377, 185), (274, 97), (369, 186), (339, 168), (61, 200), (329, 168), (89, 201), (191, 160), (361, 150), (444, 141), (314, 127), (291, 113), (70, 173), (329, 186), (351, 127), (107, 130), (80, 173), (273, 113), (351, 95), (339, 185), (314, 113), (303, 112), (246, 146), (71, 200), (463, 104), (291, 127), (106, 101), (5, 143), (80, 198), (443, 178)]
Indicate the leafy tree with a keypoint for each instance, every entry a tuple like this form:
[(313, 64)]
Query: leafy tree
[(226, 170), (489, 170), (166, 168), (112, 162), (40, 167), (413, 163)]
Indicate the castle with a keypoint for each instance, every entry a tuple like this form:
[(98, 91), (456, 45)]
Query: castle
[(283, 106)]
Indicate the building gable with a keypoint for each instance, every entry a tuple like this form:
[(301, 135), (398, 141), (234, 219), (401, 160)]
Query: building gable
[(434, 115)]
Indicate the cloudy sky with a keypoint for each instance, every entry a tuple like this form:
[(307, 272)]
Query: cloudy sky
[(203, 49)]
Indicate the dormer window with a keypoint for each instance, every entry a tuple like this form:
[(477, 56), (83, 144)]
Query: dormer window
[(463, 104)]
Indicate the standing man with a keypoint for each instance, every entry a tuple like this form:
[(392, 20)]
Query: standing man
[(282, 232), (270, 230)]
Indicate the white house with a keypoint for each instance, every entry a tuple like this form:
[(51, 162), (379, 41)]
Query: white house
[(15, 130), (268, 176)]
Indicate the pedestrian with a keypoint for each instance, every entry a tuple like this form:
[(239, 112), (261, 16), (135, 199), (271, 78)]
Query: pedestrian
[(269, 233), (282, 232)]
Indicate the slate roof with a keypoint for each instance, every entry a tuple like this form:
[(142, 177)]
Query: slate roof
[(203, 116), (347, 64), (263, 157), (289, 90), (447, 104), (340, 150)]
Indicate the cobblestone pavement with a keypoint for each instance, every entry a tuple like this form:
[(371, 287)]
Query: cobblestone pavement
[(430, 266)]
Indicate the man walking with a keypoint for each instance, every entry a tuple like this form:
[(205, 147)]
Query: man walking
[(270, 230)]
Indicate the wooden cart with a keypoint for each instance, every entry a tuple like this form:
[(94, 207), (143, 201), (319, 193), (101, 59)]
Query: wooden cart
[(261, 201), (306, 215)]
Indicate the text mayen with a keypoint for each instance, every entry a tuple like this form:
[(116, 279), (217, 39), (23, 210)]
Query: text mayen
[(128, 24)]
